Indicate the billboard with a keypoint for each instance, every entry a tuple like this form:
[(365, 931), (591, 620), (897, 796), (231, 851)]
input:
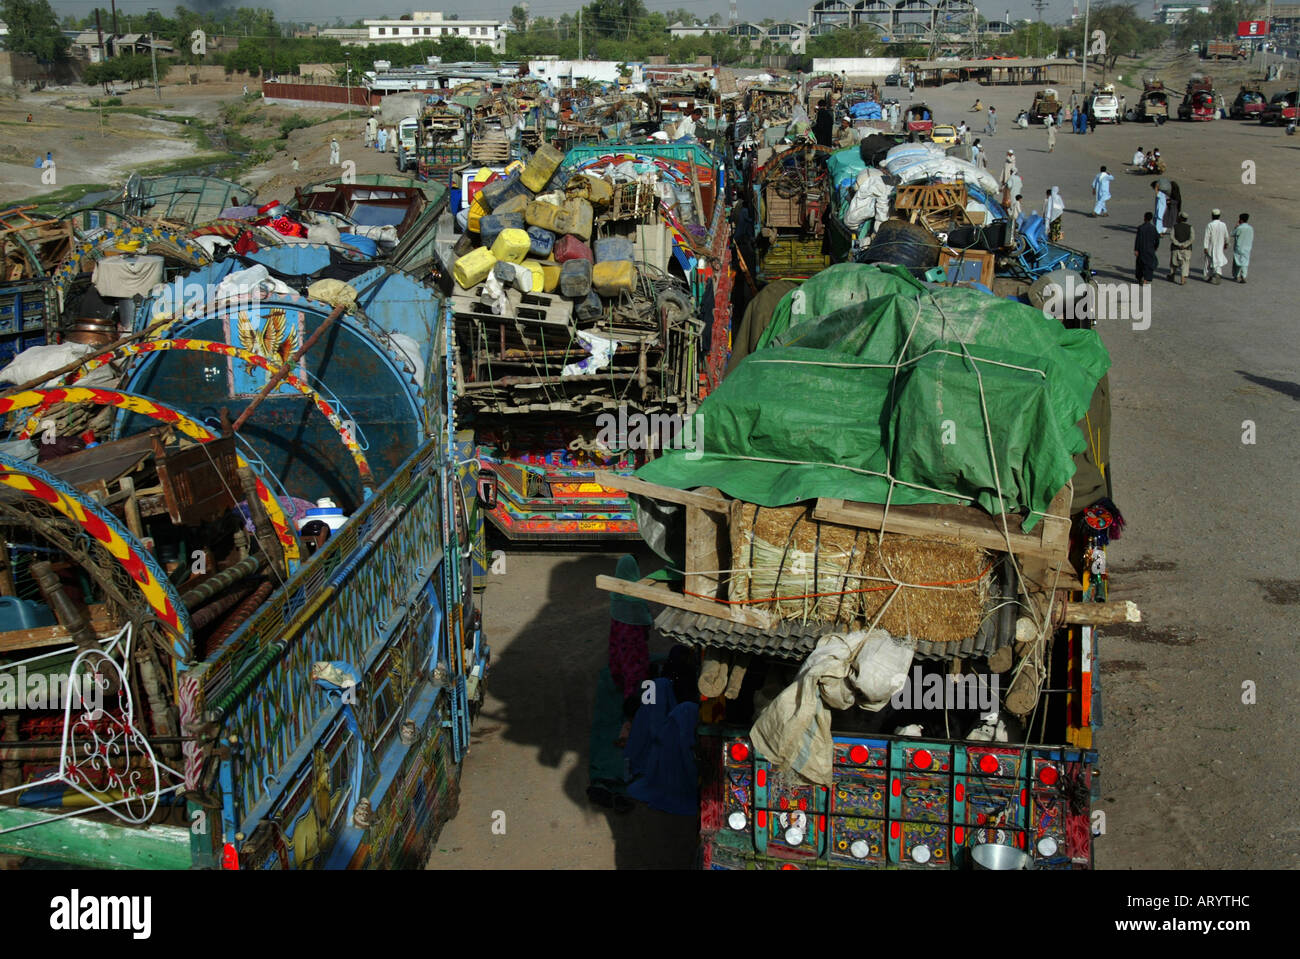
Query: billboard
[(1252, 28)]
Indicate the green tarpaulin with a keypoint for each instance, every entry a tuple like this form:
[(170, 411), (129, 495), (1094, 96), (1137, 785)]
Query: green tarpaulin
[(871, 374)]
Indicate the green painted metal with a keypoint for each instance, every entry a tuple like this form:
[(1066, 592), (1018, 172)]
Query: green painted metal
[(92, 844)]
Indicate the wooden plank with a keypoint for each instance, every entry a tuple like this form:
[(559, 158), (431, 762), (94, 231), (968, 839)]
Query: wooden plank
[(714, 502), (96, 845), (100, 621), (103, 463), (660, 593), (1103, 614), (706, 540), (957, 523)]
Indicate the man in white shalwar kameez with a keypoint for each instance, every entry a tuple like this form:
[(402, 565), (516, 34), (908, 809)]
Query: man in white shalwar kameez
[(1215, 247)]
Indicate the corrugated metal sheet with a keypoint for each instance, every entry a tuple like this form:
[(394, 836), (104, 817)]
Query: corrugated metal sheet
[(793, 642)]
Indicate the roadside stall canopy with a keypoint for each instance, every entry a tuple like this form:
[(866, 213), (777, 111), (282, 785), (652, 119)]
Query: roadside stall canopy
[(881, 389)]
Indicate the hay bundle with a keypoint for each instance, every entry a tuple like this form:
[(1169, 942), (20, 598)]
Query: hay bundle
[(833, 574)]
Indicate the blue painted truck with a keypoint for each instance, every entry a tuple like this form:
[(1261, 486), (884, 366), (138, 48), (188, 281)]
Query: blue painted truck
[(319, 720)]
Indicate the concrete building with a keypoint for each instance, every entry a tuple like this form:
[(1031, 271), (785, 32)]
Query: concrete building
[(900, 20), (422, 25), (1173, 13), (347, 36), (696, 29), (87, 45)]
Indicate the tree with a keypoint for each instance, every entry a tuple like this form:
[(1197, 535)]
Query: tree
[(519, 17), (33, 29), (715, 19)]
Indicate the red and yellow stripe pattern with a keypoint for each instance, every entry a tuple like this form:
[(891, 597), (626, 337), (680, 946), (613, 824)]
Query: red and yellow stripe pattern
[(131, 561), (225, 349), (165, 414)]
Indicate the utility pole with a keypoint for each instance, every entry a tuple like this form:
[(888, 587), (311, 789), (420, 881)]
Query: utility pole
[(113, 4), (1038, 34), (580, 33), (103, 55), (1083, 76), (153, 53)]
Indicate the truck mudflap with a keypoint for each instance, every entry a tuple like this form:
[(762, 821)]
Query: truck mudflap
[(896, 803)]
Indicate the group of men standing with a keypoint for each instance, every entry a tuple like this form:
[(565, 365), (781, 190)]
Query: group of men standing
[(1218, 244)]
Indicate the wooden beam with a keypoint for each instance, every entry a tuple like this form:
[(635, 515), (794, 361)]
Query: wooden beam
[(1103, 614), (96, 845), (714, 502), (100, 621), (707, 543), (953, 523), (655, 592)]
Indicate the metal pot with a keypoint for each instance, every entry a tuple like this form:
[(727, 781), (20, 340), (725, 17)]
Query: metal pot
[(92, 331), (995, 856)]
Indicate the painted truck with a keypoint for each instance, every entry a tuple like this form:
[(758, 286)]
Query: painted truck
[(545, 419), (1280, 109), (249, 597), (1153, 105), (1199, 101), (1047, 103), (983, 755), (1225, 50)]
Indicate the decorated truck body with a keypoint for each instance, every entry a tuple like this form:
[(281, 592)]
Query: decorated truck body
[(547, 408), (1199, 101), (892, 676), (252, 588)]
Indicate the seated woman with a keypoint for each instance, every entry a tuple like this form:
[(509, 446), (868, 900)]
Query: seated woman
[(979, 105)]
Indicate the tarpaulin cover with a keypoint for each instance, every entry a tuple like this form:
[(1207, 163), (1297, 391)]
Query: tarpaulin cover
[(879, 376), (844, 166), (866, 110)]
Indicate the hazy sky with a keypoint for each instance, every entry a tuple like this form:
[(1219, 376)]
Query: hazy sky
[(319, 10)]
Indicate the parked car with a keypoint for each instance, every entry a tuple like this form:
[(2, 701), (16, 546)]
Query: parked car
[(894, 80), (945, 134)]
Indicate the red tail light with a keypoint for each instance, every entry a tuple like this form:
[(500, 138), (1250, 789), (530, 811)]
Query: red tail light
[(229, 856), (739, 752)]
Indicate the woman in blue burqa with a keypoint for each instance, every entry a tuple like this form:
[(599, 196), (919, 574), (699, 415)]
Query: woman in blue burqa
[(660, 752)]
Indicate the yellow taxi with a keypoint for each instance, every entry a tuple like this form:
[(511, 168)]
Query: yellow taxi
[(944, 133)]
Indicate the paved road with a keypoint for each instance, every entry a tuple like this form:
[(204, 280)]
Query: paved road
[(1192, 776)]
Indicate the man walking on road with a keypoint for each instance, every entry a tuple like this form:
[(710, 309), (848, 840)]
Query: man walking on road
[(1144, 250), (992, 126), (1014, 210), (1051, 134), (334, 151), (1243, 238), (1180, 244), (1101, 190), (1011, 182), (1215, 247)]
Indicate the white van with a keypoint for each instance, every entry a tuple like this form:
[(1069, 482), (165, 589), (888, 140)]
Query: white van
[(1104, 108), (408, 131)]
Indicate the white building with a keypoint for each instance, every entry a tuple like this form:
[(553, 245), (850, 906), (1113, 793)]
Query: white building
[(696, 29), (1173, 13), (422, 25)]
